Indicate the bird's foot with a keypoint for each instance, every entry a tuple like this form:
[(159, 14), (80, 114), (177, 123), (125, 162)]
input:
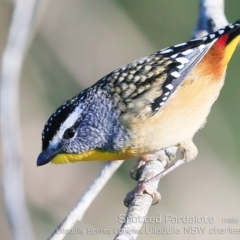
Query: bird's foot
[(189, 152), (166, 156), (141, 189)]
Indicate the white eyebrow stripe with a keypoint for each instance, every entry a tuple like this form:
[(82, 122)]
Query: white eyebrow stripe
[(69, 122), (71, 119)]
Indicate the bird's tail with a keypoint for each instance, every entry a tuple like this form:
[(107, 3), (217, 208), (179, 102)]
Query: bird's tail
[(229, 39)]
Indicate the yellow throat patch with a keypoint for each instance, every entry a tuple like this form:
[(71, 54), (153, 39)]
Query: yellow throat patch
[(93, 155)]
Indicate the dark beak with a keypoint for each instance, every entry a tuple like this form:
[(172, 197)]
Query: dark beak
[(46, 156)]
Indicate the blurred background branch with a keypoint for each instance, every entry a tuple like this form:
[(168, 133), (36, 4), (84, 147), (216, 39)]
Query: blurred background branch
[(211, 17), (25, 18), (86, 200)]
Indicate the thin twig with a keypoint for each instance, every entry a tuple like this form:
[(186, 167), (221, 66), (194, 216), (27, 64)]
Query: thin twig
[(211, 18), (24, 21), (85, 201)]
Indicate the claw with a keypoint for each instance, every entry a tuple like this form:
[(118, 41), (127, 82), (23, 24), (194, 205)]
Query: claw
[(164, 156), (141, 189), (135, 171)]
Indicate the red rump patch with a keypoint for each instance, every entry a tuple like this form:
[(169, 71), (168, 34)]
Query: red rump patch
[(222, 41)]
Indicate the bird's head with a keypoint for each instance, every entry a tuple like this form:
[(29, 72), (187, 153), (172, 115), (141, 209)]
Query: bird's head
[(84, 128)]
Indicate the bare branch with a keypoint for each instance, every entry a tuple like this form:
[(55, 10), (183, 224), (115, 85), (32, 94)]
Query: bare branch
[(138, 208), (85, 201), (24, 21)]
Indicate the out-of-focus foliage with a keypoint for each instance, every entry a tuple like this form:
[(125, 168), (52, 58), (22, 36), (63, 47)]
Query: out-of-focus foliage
[(78, 42)]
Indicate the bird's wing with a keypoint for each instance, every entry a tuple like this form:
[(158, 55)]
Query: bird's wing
[(142, 87)]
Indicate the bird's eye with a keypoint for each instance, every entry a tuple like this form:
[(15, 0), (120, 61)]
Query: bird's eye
[(69, 133)]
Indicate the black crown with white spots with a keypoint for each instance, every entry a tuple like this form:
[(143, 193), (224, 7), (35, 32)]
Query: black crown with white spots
[(57, 118)]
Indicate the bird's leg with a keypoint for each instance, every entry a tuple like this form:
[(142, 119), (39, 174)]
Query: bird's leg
[(166, 156), (189, 152), (136, 171)]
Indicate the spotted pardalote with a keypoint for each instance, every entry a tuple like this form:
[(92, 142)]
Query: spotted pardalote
[(150, 104)]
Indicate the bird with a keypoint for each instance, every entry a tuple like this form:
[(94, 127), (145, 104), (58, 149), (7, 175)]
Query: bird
[(148, 105)]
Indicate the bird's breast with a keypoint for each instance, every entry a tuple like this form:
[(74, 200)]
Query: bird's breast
[(181, 116)]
